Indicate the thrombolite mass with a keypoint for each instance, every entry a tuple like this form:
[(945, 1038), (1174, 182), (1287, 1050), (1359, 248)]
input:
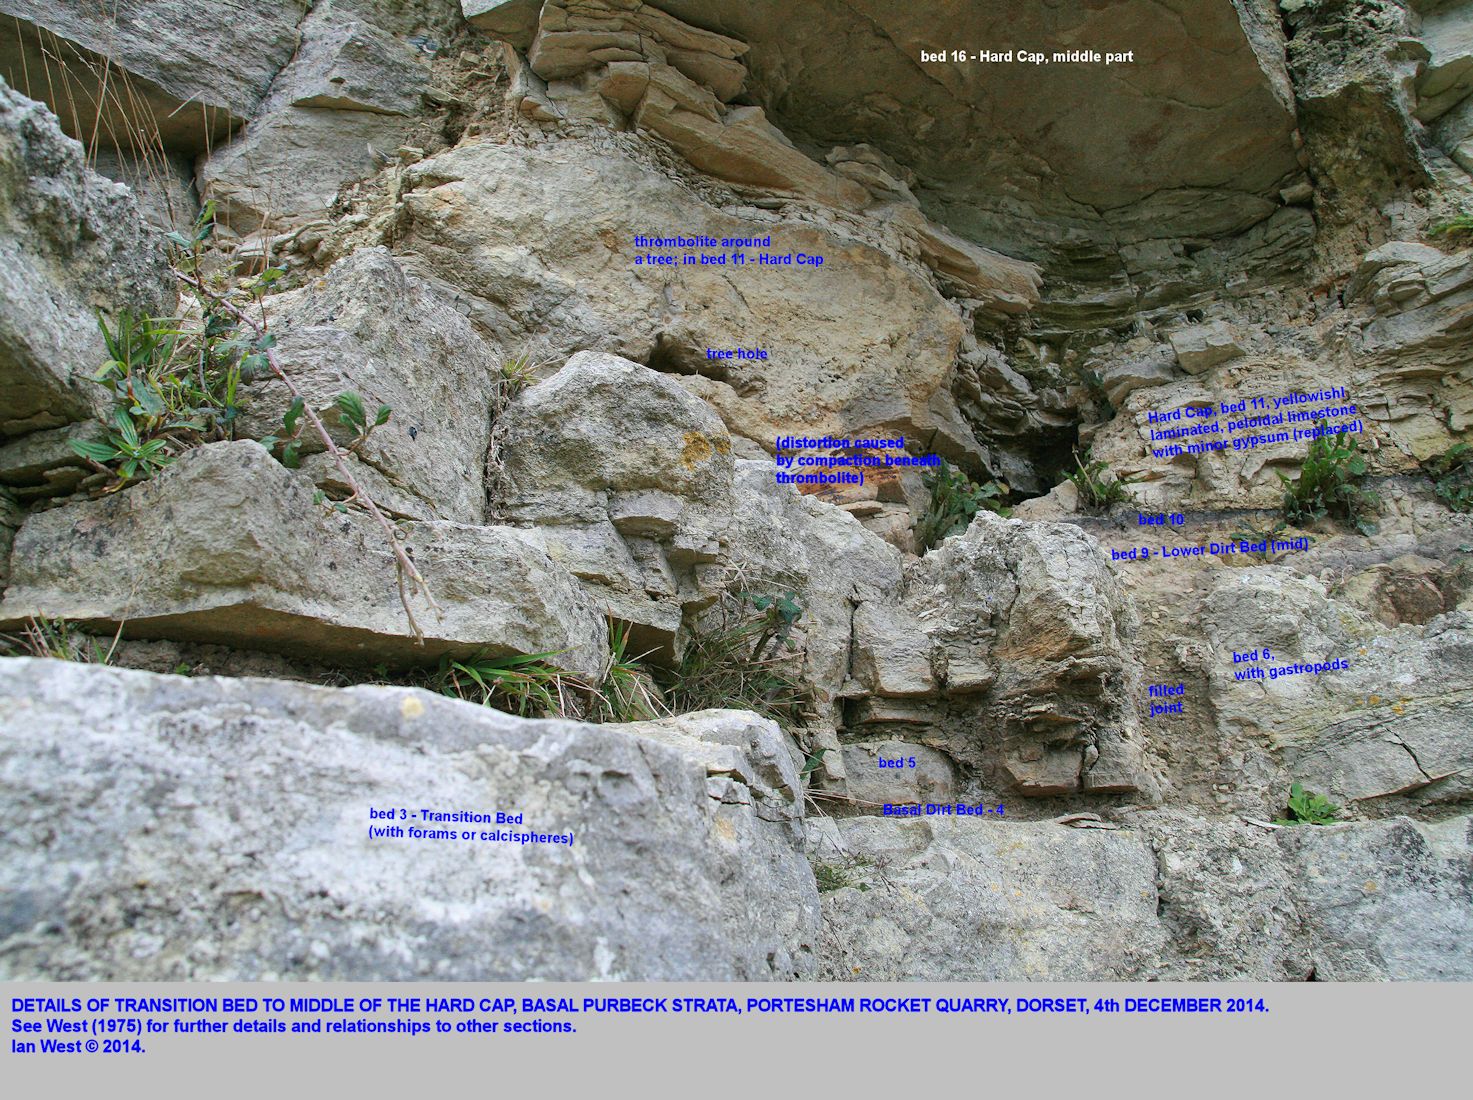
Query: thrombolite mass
[(1028, 269)]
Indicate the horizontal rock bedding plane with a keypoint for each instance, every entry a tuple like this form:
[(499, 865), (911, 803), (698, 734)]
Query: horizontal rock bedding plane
[(704, 491)]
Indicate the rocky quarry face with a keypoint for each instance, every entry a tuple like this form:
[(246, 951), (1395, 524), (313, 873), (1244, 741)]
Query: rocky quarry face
[(603, 261)]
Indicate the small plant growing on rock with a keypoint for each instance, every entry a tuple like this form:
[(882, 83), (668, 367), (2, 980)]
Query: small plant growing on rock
[(955, 499), (524, 684), (1096, 490), (59, 640), (1266, 535), (743, 656), (831, 878), (1452, 477), (1460, 226), (1308, 808), (1329, 484), (353, 416), (626, 693)]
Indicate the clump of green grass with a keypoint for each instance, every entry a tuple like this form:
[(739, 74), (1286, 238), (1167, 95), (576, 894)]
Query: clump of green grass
[(1098, 485), (1452, 477), (1460, 226), (626, 692), (955, 499), (1329, 484), (1308, 808), (742, 655), (526, 684)]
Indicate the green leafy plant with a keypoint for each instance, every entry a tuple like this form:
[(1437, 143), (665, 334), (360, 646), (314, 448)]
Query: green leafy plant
[(1329, 484), (1096, 490), (121, 449), (955, 499), (525, 684), (812, 762), (742, 655), (1452, 477), (57, 639), (353, 416), (1308, 808)]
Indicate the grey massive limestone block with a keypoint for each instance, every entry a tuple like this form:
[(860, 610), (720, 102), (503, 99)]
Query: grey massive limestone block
[(192, 69), (369, 326), (286, 167), (1387, 899), (226, 546), (162, 828), (71, 243), (1393, 721), (984, 899)]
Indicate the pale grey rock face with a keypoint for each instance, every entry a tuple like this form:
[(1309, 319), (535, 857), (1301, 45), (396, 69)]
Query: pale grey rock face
[(1387, 899), (912, 775), (1394, 722), (625, 478), (350, 66), (1227, 900), (196, 69), (286, 167), (71, 243), (148, 835), (986, 899), (227, 546), (369, 327)]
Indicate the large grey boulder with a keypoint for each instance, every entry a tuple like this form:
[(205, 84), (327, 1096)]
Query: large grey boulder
[(1387, 899), (986, 899), (163, 828), (71, 243), (370, 327), (227, 546)]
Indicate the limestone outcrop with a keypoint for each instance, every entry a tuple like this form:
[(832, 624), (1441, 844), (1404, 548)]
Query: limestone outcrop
[(166, 846), (71, 244), (228, 546)]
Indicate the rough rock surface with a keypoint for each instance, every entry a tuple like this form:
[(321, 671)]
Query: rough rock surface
[(544, 237), (148, 835), (226, 545), (1022, 263), (1032, 901), (71, 243), (369, 327), (172, 57), (626, 480)]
